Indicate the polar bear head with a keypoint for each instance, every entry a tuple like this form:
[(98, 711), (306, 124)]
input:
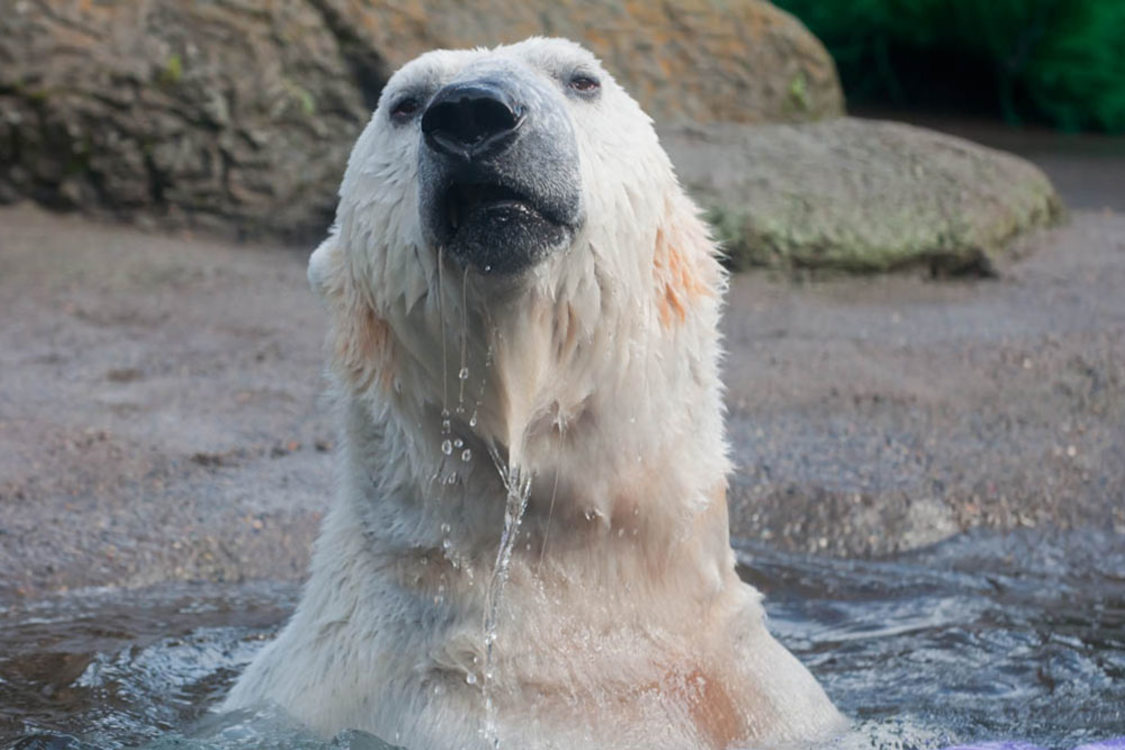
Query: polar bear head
[(511, 210)]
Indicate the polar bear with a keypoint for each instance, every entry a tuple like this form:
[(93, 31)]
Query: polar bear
[(529, 544)]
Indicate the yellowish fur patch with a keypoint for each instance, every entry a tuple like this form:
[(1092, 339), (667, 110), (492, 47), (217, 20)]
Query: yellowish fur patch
[(678, 268)]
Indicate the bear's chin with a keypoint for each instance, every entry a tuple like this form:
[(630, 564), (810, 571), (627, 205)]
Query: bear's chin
[(505, 238)]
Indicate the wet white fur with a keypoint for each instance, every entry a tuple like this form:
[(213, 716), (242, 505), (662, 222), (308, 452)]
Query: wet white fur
[(623, 613)]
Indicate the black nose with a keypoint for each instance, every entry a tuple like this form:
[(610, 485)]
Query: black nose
[(471, 120)]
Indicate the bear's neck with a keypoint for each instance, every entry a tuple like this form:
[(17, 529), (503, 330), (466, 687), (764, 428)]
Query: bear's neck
[(618, 435)]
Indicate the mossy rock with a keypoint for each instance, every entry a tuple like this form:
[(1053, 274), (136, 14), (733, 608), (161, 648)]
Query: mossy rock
[(859, 195)]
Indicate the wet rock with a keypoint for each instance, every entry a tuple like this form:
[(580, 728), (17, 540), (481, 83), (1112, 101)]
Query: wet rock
[(239, 116), (861, 196)]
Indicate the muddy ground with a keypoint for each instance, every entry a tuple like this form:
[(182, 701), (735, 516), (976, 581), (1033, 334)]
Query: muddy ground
[(161, 413)]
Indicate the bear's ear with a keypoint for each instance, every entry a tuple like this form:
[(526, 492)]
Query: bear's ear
[(360, 341), (325, 266)]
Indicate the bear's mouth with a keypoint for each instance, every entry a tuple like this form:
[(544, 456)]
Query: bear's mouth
[(471, 203), (497, 228)]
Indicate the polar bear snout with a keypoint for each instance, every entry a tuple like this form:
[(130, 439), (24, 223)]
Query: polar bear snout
[(499, 180), (472, 121)]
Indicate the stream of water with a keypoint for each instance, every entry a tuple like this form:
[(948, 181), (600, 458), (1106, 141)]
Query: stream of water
[(983, 637)]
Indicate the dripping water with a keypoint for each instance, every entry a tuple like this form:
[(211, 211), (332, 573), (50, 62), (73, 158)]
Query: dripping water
[(463, 372), (516, 482), (550, 505), (441, 321), (446, 443), (475, 416), (517, 485)]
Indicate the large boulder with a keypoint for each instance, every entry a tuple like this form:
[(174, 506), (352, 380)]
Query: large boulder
[(697, 60), (239, 114), (214, 113), (859, 195)]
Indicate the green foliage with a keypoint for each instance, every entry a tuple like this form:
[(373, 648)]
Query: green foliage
[(1059, 59)]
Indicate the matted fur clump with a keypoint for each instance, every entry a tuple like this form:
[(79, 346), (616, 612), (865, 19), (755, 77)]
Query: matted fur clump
[(529, 542)]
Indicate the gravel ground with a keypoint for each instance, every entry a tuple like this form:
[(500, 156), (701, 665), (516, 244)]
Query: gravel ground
[(161, 413)]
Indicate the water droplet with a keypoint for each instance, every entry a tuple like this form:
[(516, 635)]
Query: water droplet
[(473, 420), (444, 413), (446, 528), (458, 443), (467, 455), (471, 678), (447, 447), (445, 427), (464, 374), (451, 479)]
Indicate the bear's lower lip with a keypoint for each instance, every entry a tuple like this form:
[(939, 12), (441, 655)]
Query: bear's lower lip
[(499, 222), (496, 230), (501, 211), (470, 204)]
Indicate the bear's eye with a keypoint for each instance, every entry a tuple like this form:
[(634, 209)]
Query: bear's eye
[(584, 84), (405, 108)]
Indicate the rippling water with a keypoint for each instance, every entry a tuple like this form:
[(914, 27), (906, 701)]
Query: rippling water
[(984, 637)]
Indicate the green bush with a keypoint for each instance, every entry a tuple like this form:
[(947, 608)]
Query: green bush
[(1063, 60)]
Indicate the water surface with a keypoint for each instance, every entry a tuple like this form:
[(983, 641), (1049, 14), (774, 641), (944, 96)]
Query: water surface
[(983, 637)]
